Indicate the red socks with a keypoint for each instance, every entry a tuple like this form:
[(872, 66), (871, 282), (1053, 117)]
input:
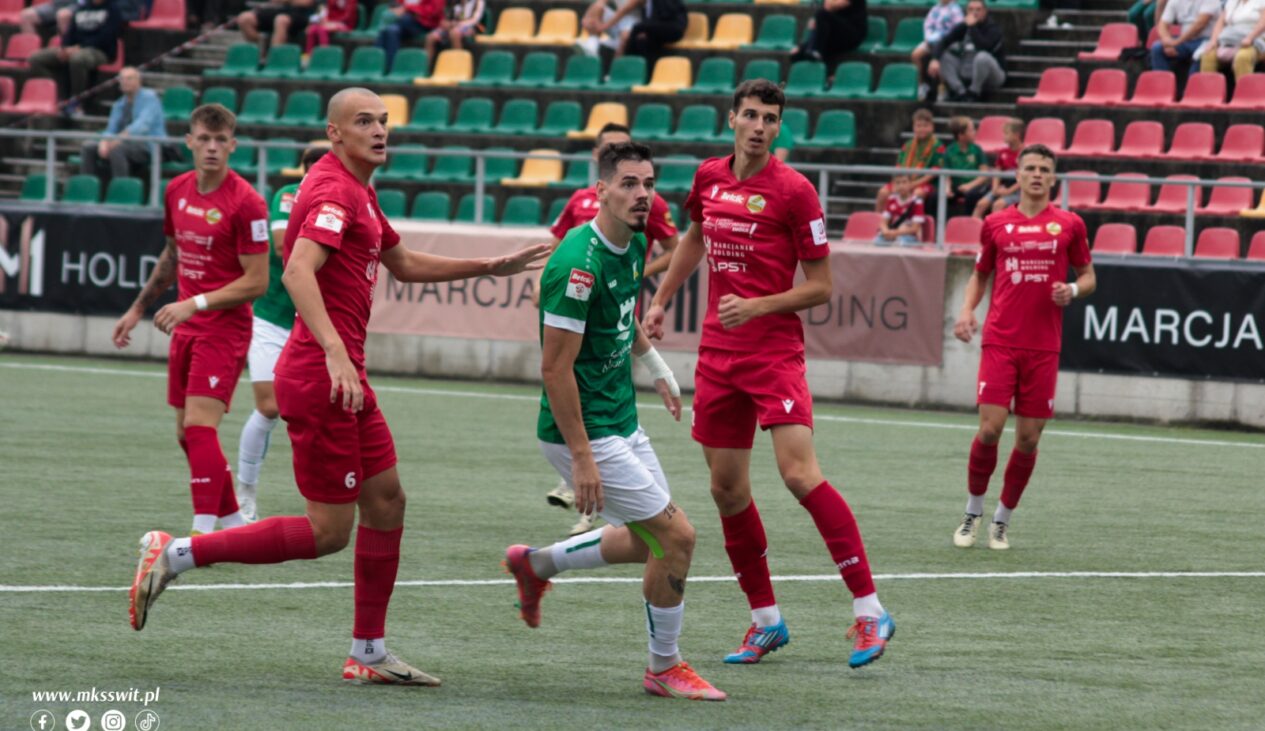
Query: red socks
[(839, 529), (1018, 470), (228, 496), (376, 564), (207, 467), (981, 466), (271, 540), (746, 545)]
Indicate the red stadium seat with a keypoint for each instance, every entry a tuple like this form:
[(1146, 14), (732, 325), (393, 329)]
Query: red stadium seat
[(116, 65), (1249, 93), (1217, 243), (1256, 250), (1203, 91), (1154, 89), (39, 96), (1058, 85), (1083, 193), (166, 14), (8, 92), (1172, 198), (1112, 39), (962, 232), (1123, 195), (21, 46), (1116, 238), (989, 136), (862, 227), (1193, 141), (1242, 143), (1165, 241), (1093, 137), (1227, 201), (1106, 86), (9, 10), (1142, 139), (1048, 131)]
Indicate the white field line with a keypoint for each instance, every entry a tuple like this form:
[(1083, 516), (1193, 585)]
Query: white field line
[(59, 588), (818, 417)]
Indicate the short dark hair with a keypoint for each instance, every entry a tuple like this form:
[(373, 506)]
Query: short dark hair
[(958, 125), (311, 155), (612, 155), (611, 128), (922, 114), (214, 117), (1038, 149), (766, 91)]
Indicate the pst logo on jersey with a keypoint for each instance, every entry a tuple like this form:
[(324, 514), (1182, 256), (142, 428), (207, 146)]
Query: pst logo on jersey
[(580, 285), (331, 218)]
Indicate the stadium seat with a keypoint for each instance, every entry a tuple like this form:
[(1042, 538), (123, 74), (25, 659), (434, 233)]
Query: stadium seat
[(245, 159), (697, 123), (671, 74), (1165, 241), (513, 25), (1154, 89), (1256, 249), (1172, 197), (241, 60), (733, 30), (1242, 143), (115, 65), (496, 169), (1105, 88), (715, 76), (676, 178), (1112, 39), (835, 128), (561, 118), (453, 168), (1115, 238), (178, 102), (989, 134), (465, 209), (282, 63), (538, 172), (433, 205), (10, 10), (326, 62), (409, 64), (259, 107), (369, 63), (761, 68), (1249, 93), (430, 114), (1058, 85), (518, 117), (1257, 212), (222, 95), (1227, 201), (522, 210), (302, 109), (1092, 138), (962, 232), (577, 176), (906, 38), (697, 28), (558, 27), (862, 227), (540, 70), (555, 210), (496, 68), (33, 187), (599, 116), (1083, 193), (405, 163), (474, 115), (652, 122), (282, 158), (581, 72), (853, 80), (806, 79), (627, 72), (898, 81), (83, 189), (1193, 141), (1126, 195), (397, 110), (875, 33), (1203, 91), (381, 18), (164, 15), (39, 96), (125, 192), (391, 202), (8, 93), (777, 33), (452, 67), (1048, 131), (794, 120), (20, 48), (1142, 139), (1216, 242)]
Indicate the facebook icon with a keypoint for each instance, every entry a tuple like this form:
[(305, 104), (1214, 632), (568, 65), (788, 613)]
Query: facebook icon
[(43, 721)]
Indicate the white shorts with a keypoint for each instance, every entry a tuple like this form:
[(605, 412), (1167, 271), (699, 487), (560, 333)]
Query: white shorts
[(266, 342), (633, 485)]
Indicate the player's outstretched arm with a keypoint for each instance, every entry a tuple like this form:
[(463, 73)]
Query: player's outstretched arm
[(664, 382), (249, 286), (966, 326), (299, 279), (818, 283), (663, 261), (1086, 283), (160, 280), (689, 252), (416, 266), (559, 350)]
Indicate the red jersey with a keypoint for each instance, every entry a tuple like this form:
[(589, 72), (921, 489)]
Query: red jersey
[(1029, 256), (756, 232), (336, 210), (582, 208), (211, 232), (898, 212), (430, 13), (342, 11), (1008, 159)]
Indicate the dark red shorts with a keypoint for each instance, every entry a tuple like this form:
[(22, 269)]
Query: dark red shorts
[(1025, 377), (204, 365), (732, 391), (334, 450)]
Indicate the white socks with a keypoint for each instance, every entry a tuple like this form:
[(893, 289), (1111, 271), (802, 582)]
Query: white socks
[(180, 555), (1002, 515), (664, 627), (867, 606), (204, 522), (579, 552), (975, 504), (232, 521), (369, 651), (253, 447), (766, 616)]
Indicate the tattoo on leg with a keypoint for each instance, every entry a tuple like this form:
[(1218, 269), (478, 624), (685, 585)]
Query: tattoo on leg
[(677, 584), (670, 510)]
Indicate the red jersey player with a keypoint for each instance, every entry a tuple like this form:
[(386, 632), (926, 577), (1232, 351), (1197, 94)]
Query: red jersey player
[(1029, 246), (756, 219), (344, 456), (217, 248)]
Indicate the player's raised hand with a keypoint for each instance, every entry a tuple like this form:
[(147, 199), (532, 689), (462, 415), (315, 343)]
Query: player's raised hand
[(344, 379), (734, 311), (588, 485), (122, 336), (528, 259), (966, 326), (1061, 293), (652, 323), (173, 314)]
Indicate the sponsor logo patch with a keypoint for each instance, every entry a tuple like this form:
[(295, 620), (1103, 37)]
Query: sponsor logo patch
[(287, 202), (214, 216), (819, 231), (1053, 228), (331, 218), (1010, 228), (259, 230), (580, 285), (788, 404), (755, 203)]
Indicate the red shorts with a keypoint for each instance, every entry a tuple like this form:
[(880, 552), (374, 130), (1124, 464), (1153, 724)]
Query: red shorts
[(1026, 377), (334, 450), (733, 390), (204, 365)]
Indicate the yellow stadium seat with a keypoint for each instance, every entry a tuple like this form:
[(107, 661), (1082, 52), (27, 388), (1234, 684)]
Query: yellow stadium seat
[(451, 68), (397, 110), (1257, 212), (538, 172), (695, 33), (558, 27), (599, 116), (513, 25), (732, 31), (671, 74)]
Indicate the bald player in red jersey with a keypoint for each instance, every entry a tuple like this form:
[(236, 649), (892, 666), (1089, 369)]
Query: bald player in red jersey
[(344, 455), (217, 249), (1030, 247), (757, 220)]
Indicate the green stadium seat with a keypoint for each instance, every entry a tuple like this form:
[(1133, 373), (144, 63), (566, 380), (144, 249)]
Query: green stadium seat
[(625, 73), (796, 122), (433, 205), (465, 209), (577, 176), (899, 81), (762, 68), (807, 78), (283, 62), (303, 109), (125, 192), (540, 70), (835, 128), (242, 60), (382, 17), (430, 114), (368, 63), (391, 202), (326, 62), (259, 107), (853, 80), (1016, 4), (453, 168), (33, 187), (245, 159), (675, 212), (182, 162), (875, 34), (409, 64), (697, 123), (497, 168), (518, 116), (676, 178), (522, 210), (908, 36), (82, 189), (405, 163), (496, 68), (178, 102), (473, 116), (652, 122), (223, 95), (777, 33), (581, 72), (280, 158), (560, 118), (715, 76), (555, 210)]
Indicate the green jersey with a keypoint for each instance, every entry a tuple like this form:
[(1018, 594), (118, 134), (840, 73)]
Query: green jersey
[(955, 158), (591, 287), (275, 305)]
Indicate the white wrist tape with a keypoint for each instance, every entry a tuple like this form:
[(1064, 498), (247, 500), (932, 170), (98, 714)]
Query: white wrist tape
[(1076, 290), (199, 301), (659, 370)]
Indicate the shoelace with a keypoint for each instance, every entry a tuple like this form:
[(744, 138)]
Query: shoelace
[(1000, 531), (866, 627), (968, 524)]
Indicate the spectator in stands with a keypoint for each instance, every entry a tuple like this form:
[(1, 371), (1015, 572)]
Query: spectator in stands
[(37, 17), (90, 41), (413, 18), (663, 22), (1236, 38), (971, 58), (923, 151), (335, 16), (1144, 14), (783, 144), (903, 215), (964, 154), (207, 14), (137, 113), (941, 19), (1005, 191), (602, 14), (462, 20), (1195, 18), (284, 19), (837, 28)]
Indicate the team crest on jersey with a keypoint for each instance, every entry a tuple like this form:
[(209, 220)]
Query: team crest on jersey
[(715, 189), (1053, 228), (580, 285), (181, 204), (755, 203), (1010, 228), (213, 216)]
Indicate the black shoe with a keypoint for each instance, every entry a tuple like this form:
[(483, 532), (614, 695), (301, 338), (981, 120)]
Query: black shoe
[(970, 97)]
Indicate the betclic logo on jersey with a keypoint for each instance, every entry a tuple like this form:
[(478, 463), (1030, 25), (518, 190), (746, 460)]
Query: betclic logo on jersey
[(580, 285)]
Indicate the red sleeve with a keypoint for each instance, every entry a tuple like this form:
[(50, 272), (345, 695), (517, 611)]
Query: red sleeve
[(169, 226), (805, 220), (389, 236), (566, 220), (985, 260), (694, 201), (920, 211), (1079, 254), (252, 225), (332, 211), (659, 226)]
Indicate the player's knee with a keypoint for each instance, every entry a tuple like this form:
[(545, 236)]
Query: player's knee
[(728, 496), (801, 481), (1026, 442), (331, 537), (989, 434)]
